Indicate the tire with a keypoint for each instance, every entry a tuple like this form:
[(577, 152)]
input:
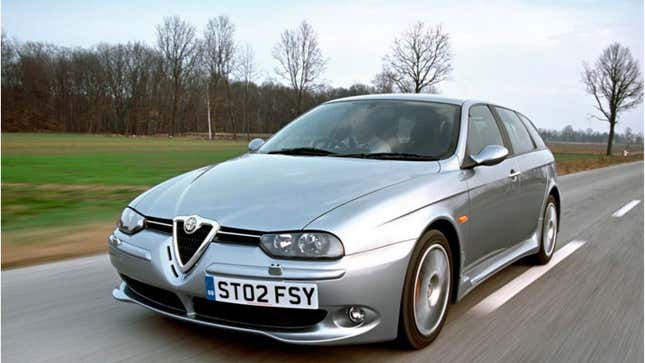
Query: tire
[(422, 315), (549, 235)]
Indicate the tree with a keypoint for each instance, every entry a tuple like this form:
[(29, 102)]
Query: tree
[(383, 82), (300, 60), (628, 136), (615, 83), (419, 60), (36, 75), (113, 61), (219, 59), (87, 81), (179, 48), (568, 133), (139, 60), (8, 60), (247, 71)]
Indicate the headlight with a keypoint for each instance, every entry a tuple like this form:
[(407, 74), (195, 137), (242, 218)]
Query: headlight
[(306, 245), (130, 222)]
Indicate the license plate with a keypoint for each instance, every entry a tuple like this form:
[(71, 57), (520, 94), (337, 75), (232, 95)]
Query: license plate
[(262, 293)]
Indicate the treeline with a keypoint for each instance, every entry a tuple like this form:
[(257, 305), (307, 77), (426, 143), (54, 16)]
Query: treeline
[(134, 88), (569, 134), (194, 80), (124, 89), (205, 81)]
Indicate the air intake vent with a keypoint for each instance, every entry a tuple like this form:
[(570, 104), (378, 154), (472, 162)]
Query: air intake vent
[(155, 296), (256, 316)]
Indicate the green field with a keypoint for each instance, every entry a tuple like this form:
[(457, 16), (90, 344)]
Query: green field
[(106, 160), (58, 180)]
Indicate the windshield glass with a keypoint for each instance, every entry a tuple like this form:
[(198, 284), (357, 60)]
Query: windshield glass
[(367, 127)]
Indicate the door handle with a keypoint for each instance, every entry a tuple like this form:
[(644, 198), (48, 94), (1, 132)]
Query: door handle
[(514, 174)]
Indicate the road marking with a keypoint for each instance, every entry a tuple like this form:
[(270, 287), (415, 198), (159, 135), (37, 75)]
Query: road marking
[(622, 211), (493, 301)]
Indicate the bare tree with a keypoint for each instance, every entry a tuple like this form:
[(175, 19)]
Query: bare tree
[(8, 59), (383, 81), (87, 84), (615, 83), (247, 72), (179, 48), (113, 61), (419, 60), (300, 60), (219, 59), (139, 59), (129, 88)]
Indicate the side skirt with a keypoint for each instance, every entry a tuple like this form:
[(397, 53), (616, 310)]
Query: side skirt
[(477, 274)]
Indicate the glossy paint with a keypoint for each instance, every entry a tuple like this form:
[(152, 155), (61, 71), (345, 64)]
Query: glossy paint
[(377, 208)]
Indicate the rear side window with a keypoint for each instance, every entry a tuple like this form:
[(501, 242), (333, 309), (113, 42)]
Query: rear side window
[(482, 129), (537, 139), (517, 132)]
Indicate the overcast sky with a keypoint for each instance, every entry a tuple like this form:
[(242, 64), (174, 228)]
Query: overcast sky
[(522, 54)]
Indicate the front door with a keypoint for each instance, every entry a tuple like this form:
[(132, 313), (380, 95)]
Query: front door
[(494, 190), (532, 177)]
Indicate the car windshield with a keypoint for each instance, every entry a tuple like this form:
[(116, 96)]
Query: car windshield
[(385, 129)]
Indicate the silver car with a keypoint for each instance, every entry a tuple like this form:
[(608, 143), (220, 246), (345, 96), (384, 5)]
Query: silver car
[(360, 221)]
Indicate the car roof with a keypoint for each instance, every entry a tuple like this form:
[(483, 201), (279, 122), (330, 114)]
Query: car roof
[(404, 97)]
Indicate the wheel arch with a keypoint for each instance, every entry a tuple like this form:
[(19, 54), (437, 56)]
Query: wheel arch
[(555, 192)]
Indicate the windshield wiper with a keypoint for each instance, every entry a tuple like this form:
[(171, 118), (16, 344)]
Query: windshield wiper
[(311, 151), (389, 156), (302, 151)]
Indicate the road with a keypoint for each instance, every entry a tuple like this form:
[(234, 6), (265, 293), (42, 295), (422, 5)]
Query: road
[(586, 308)]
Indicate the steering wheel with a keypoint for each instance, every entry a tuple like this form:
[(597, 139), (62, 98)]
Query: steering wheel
[(328, 144)]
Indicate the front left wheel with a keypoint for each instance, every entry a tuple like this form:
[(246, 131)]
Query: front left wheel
[(426, 292)]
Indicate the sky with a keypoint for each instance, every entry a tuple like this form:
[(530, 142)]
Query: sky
[(526, 55)]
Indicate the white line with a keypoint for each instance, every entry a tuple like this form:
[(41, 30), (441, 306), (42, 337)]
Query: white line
[(512, 288), (622, 211)]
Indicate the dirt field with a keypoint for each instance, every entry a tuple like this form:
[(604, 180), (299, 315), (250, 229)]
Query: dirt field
[(591, 148), (573, 165), (54, 243)]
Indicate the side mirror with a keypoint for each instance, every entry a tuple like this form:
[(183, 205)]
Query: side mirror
[(255, 144), (490, 155)]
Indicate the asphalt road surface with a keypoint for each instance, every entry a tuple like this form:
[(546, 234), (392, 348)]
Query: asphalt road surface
[(588, 307)]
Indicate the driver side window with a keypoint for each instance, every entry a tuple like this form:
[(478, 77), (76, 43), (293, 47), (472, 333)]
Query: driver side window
[(482, 129)]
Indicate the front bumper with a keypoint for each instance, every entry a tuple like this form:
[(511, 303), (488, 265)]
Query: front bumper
[(372, 280)]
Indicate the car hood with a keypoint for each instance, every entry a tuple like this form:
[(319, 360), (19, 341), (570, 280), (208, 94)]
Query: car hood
[(274, 192)]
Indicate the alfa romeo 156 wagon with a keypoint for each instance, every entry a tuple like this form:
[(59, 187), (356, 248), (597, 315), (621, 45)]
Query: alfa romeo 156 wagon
[(362, 220)]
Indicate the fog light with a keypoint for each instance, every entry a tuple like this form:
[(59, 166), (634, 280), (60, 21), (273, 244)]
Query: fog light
[(356, 314)]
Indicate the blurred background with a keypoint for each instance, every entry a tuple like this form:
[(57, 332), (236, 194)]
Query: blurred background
[(101, 100)]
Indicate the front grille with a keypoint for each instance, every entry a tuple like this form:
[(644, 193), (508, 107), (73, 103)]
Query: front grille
[(236, 235), (155, 296), (159, 225), (188, 244), (224, 235), (256, 316)]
